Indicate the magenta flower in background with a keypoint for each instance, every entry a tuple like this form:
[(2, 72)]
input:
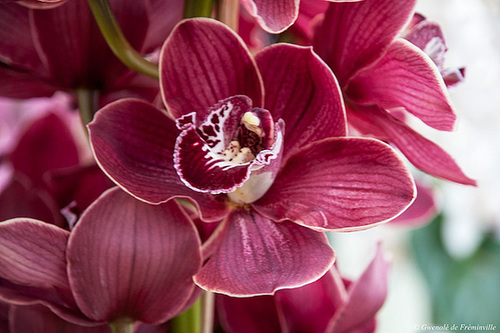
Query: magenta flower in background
[(330, 304), (42, 51), (257, 143), (124, 260), (380, 74)]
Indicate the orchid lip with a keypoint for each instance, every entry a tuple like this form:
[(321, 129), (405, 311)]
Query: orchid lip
[(220, 153)]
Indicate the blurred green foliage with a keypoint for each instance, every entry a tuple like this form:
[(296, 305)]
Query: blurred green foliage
[(463, 291)]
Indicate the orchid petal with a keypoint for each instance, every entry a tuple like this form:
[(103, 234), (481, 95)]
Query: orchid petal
[(32, 254), (37, 318), (428, 37), (203, 62), (164, 15), (141, 162), (125, 258), (303, 92), (421, 211), (258, 257), (421, 152), (308, 308), (248, 315), (47, 144), (405, 77), (19, 84), (273, 16), (340, 184), (365, 297), (20, 198), (354, 35)]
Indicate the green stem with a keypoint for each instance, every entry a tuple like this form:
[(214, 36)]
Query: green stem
[(122, 326), (117, 42), (87, 104), (198, 8), (189, 320)]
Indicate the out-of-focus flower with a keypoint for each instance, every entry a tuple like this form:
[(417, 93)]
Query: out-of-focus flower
[(381, 75), (123, 259), (42, 51), (274, 188), (330, 304)]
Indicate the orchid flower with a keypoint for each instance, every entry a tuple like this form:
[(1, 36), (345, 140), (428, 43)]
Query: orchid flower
[(124, 261), (380, 74), (38, 4), (257, 143), (42, 51), (329, 305)]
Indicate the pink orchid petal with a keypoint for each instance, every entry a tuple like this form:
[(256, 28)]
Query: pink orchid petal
[(309, 308), (421, 152), (71, 27), (164, 15), (365, 297), (302, 91), (273, 16), (428, 36), (47, 144), (421, 211), (354, 35), (203, 62), (37, 318), (141, 162), (126, 257), (405, 77), (33, 253), (340, 184), (248, 315), (258, 257)]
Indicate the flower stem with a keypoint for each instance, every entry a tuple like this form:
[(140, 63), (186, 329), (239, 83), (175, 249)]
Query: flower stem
[(198, 8), (117, 42), (208, 306), (123, 325), (87, 104), (228, 12), (189, 320)]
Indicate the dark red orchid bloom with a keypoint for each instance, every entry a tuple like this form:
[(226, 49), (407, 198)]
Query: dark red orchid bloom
[(380, 74), (37, 4), (124, 260), (329, 305), (258, 143), (42, 51)]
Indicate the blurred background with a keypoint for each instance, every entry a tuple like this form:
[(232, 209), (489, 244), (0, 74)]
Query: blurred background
[(448, 271)]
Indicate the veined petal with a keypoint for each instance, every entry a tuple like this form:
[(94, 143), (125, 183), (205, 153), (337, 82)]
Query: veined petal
[(421, 152), (273, 16), (258, 257), (141, 161), (126, 257), (353, 35), (33, 253), (405, 77), (365, 297), (301, 90), (203, 62), (340, 184), (421, 211), (20, 84)]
